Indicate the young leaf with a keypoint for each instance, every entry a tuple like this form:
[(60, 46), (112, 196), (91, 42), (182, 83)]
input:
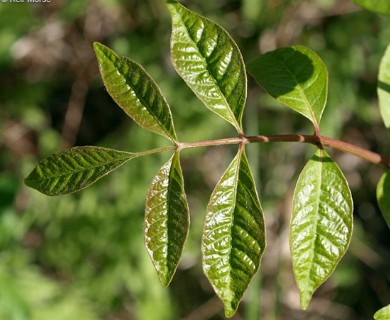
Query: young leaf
[(135, 92), (384, 87), (383, 196), (166, 219), (379, 6), (321, 223), (209, 61), (75, 169), (234, 234), (295, 76), (383, 314)]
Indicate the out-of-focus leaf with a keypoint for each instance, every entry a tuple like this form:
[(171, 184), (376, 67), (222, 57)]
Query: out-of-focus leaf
[(383, 196), (379, 6), (209, 61), (384, 87), (295, 76), (383, 314), (135, 92), (321, 223), (166, 219), (234, 235), (75, 169)]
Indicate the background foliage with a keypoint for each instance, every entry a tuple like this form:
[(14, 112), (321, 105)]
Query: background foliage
[(82, 255)]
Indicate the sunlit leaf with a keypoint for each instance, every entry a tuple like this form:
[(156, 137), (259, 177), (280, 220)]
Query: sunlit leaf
[(209, 61), (383, 196), (234, 235), (383, 314), (135, 92), (321, 223), (379, 6), (75, 169), (166, 219), (384, 87), (295, 76)]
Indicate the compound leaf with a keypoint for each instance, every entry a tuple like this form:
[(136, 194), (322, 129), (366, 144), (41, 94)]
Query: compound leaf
[(384, 87), (135, 92), (209, 61), (75, 169), (295, 76), (234, 235), (383, 314), (166, 219), (379, 6), (321, 223), (383, 196)]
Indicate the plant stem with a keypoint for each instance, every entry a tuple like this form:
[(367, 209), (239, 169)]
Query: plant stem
[(312, 139)]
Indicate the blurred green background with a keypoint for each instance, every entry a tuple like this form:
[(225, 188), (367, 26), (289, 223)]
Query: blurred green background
[(81, 256)]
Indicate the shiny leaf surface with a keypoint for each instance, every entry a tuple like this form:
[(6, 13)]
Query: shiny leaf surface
[(295, 76), (234, 235), (209, 61), (166, 219), (383, 314), (75, 169), (384, 87), (135, 92), (321, 223), (383, 196), (379, 6)]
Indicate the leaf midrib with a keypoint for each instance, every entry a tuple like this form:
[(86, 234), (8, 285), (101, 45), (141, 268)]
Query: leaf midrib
[(124, 159), (142, 100), (121, 61), (316, 211), (236, 177), (169, 232), (302, 94)]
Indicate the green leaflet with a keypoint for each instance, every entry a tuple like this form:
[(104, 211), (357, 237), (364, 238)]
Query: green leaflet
[(234, 234), (321, 223), (295, 76), (166, 219), (379, 6), (209, 61), (135, 92), (384, 87), (383, 196), (75, 169), (383, 314)]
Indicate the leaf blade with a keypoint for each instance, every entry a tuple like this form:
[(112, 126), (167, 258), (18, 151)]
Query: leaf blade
[(234, 234), (384, 88), (379, 6), (166, 219), (321, 223), (383, 196), (383, 313), (209, 61), (295, 76), (75, 169), (135, 92)]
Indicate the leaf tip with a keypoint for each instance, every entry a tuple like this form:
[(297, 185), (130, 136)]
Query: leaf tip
[(31, 178), (230, 308), (305, 296), (97, 46)]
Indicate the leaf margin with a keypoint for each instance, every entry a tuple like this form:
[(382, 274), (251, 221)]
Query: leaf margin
[(174, 164), (310, 54), (231, 304), (306, 295), (236, 121), (102, 52), (38, 173)]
